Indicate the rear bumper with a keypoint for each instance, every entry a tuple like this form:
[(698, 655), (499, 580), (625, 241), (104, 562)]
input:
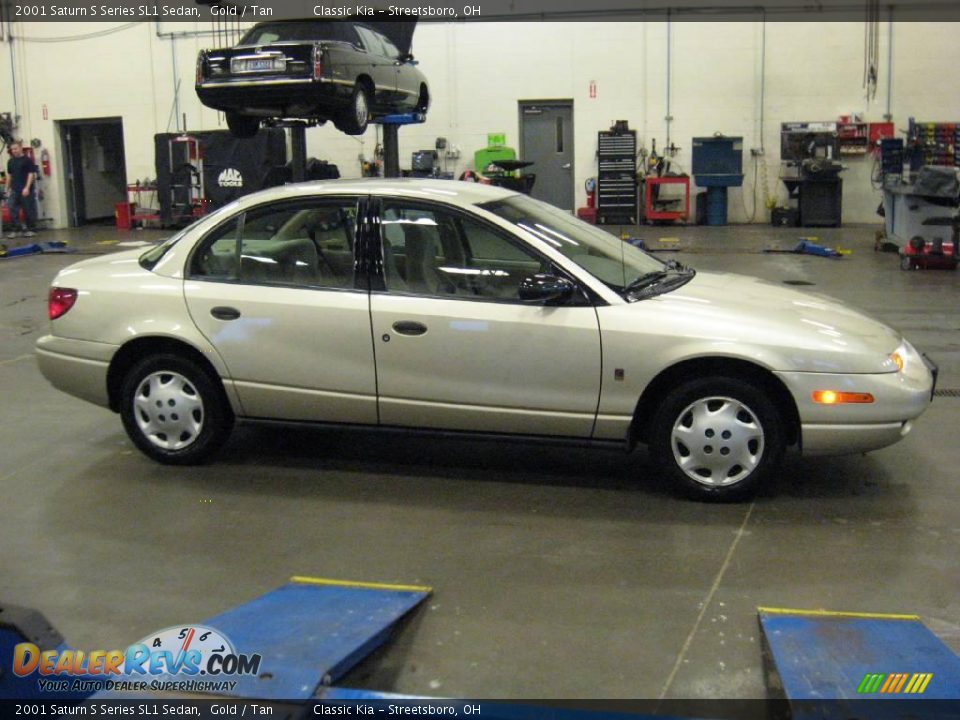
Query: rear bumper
[(277, 97), (76, 367)]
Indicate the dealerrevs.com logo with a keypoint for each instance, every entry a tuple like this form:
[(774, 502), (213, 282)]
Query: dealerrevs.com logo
[(188, 659)]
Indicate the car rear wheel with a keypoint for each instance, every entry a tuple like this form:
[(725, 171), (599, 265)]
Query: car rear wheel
[(242, 126), (353, 120), (718, 438), (173, 411)]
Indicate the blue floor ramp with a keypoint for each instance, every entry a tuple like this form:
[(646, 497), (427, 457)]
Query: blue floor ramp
[(849, 665)]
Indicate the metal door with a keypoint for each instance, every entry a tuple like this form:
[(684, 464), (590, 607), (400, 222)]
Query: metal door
[(546, 140)]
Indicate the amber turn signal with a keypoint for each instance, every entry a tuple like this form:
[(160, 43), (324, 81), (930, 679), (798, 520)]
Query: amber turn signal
[(834, 397)]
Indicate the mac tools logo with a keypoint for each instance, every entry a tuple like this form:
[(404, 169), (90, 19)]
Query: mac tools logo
[(230, 177)]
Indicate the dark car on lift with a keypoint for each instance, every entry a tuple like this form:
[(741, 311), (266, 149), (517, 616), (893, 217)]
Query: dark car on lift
[(346, 71)]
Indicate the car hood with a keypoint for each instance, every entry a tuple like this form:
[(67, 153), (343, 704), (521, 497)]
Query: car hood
[(807, 331), (399, 32)]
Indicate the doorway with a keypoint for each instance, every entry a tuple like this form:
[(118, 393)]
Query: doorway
[(546, 140), (95, 168)]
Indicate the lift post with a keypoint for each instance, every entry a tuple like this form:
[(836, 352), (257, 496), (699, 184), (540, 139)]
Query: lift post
[(298, 147), (391, 143), (391, 151), (391, 140)]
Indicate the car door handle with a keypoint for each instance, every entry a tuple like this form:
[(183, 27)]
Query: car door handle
[(565, 166), (409, 327), (225, 313)]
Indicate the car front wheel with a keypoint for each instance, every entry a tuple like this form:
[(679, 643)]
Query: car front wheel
[(353, 120), (718, 438), (173, 411)]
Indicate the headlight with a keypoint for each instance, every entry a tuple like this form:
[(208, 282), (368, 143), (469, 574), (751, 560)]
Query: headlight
[(906, 361), (898, 360)]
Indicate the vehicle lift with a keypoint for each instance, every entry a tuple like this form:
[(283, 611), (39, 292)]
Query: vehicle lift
[(391, 142), (310, 632)]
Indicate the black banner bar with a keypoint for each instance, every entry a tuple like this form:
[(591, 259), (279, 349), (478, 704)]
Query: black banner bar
[(165, 11)]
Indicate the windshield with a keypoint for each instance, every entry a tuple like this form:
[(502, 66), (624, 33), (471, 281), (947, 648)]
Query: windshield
[(296, 31), (618, 264)]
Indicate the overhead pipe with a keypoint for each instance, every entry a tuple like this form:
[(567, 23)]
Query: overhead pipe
[(669, 117), (763, 73), (176, 83), (13, 77), (889, 115)]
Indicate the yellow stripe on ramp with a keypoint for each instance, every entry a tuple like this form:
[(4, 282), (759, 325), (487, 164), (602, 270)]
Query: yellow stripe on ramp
[(354, 584), (833, 613)]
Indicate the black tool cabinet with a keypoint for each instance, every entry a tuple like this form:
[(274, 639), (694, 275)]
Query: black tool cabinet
[(617, 178)]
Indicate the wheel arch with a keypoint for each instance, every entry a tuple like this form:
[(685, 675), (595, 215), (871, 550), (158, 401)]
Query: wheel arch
[(137, 349), (368, 84), (750, 372)]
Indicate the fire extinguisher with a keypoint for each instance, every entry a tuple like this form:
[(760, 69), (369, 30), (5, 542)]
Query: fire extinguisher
[(45, 161), (591, 187)]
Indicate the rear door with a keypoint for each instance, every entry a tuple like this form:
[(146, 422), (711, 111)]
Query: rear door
[(382, 69), (275, 291)]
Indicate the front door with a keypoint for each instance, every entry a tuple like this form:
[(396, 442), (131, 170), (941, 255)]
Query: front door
[(273, 290), (546, 140), (455, 346)]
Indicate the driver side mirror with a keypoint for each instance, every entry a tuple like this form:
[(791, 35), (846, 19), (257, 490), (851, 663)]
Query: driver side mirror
[(545, 288)]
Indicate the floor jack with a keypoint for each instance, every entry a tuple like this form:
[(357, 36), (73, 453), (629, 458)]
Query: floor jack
[(807, 246), (934, 254)]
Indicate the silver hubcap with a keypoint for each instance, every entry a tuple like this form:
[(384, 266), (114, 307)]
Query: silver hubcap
[(168, 410), (361, 108), (717, 441)]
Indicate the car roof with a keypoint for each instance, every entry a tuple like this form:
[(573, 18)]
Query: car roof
[(451, 191)]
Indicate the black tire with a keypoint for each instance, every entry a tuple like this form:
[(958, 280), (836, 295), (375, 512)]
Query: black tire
[(242, 126), (423, 102), (739, 433), (204, 421), (354, 119)]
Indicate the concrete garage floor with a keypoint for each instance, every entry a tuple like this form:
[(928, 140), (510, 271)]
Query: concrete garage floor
[(558, 573)]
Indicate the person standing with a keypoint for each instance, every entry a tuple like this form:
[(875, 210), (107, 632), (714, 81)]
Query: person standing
[(21, 190)]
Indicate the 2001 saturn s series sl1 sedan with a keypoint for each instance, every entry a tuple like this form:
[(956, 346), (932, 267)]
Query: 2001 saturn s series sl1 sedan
[(456, 306)]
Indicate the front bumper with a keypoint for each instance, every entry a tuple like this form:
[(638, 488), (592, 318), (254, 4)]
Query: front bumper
[(76, 367), (899, 398)]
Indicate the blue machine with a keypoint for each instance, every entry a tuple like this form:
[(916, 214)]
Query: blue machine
[(717, 165)]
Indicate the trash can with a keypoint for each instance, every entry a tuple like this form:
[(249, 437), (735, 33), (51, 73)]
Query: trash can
[(123, 213)]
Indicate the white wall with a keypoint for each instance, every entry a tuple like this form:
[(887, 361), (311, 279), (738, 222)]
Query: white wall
[(478, 72)]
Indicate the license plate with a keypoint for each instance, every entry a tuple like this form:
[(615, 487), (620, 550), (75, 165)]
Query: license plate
[(259, 64)]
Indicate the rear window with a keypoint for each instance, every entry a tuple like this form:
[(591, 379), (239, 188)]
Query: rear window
[(298, 31)]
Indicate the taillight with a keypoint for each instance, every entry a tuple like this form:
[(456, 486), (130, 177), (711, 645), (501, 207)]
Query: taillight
[(199, 68), (59, 301), (317, 67)]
